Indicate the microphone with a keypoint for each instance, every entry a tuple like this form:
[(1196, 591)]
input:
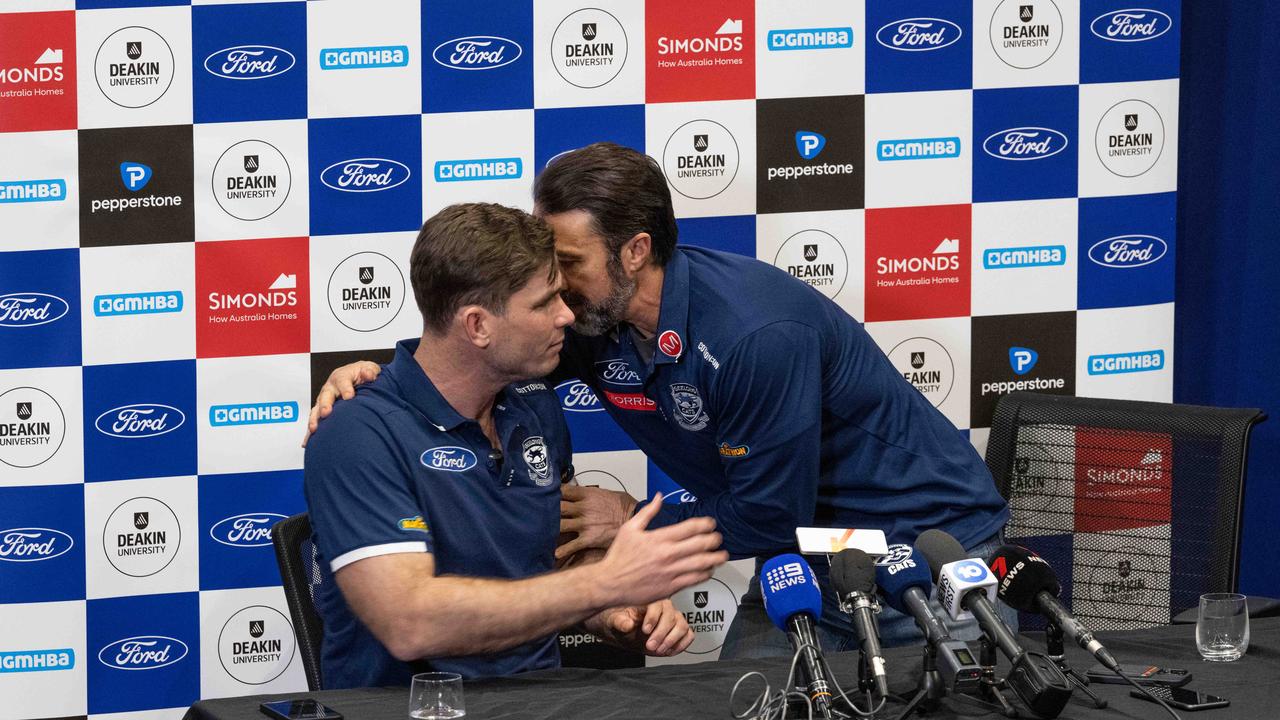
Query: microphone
[(793, 602), (853, 575), (967, 589), (1027, 583), (905, 585)]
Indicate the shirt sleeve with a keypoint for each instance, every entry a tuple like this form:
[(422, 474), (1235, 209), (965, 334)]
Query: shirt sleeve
[(358, 490), (766, 401)]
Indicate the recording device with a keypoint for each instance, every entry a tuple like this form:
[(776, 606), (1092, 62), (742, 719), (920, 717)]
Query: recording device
[(966, 588), (827, 541), (853, 575), (1027, 583), (794, 602), (303, 709), (1182, 698), (905, 584), (1150, 675)]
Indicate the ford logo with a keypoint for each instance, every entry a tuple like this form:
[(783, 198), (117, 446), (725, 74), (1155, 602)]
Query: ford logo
[(249, 62), (247, 530), (576, 396), (33, 544), (31, 309), (918, 34), (449, 458), (617, 372), (478, 52), (1132, 25), (144, 652), (139, 420), (1024, 143), (365, 175), (1128, 251)]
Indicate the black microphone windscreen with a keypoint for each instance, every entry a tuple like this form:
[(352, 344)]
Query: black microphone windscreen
[(939, 549), (852, 570), (1022, 574)]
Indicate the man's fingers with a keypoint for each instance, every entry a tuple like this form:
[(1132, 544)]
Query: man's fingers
[(571, 493), (641, 519), (570, 525), (652, 613), (570, 548), (663, 635), (624, 622), (684, 643), (685, 529)]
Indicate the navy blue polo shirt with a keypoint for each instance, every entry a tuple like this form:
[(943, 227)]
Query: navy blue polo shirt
[(774, 407), (398, 470)]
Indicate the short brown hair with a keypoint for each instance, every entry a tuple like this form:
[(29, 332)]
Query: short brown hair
[(476, 254), (622, 189)]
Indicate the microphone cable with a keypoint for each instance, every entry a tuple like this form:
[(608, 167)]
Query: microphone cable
[(769, 705), (1120, 672)]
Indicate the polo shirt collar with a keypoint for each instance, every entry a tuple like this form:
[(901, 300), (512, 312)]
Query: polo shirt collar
[(673, 314), (418, 390)]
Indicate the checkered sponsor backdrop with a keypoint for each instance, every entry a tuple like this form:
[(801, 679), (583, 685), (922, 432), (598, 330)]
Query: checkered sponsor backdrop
[(203, 209)]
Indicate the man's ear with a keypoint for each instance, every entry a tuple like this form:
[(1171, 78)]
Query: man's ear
[(477, 324), (637, 252)]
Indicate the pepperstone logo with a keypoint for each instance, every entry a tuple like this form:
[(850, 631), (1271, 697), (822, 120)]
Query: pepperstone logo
[(136, 185), (1023, 257), (809, 154), (33, 544), (589, 48), (809, 144), (140, 420), (142, 303), (141, 537), (1033, 352), (251, 180), (134, 176), (24, 191), (266, 413), (249, 62), (810, 39), (707, 608), (256, 645), (918, 34), (364, 58), (817, 258), (576, 396), (143, 652), (1026, 35), (30, 309), (1131, 25), (1025, 143), (700, 159), (1130, 138), (507, 168), (16, 661), (248, 530), (1022, 360), (1130, 362), (134, 67), (32, 427), (1128, 251), (366, 291), (365, 175), (918, 149), (926, 364), (477, 52)]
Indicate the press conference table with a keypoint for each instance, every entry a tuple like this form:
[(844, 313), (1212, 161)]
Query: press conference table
[(1252, 684)]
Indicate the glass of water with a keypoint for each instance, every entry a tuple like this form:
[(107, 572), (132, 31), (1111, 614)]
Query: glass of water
[(1222, 628), (436, 696)]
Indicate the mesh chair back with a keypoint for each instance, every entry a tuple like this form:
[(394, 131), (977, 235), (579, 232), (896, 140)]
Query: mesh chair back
[(300, 572), (1136, 505)]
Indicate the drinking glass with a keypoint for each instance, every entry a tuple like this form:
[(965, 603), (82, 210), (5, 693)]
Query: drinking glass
[(436, 696), (1222, 628)]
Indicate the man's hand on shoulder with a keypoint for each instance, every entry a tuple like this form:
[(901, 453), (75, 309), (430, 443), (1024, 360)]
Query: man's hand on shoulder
[(342, 384), (656, 629)]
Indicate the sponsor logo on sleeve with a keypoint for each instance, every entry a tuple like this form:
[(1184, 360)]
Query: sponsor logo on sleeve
[(415, 523), (734, 451)]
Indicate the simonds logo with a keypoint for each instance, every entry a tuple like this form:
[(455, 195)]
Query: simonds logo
[(140, 420), (918, 34), (365, 175), (1024, 143), (1132, 25), (31, 309), (247, 530), (1128, 251), (477, 52), (143, 652), (33, 544), (449, 458), (249, 62)]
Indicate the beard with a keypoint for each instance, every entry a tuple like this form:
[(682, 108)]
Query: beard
[(592, 319)]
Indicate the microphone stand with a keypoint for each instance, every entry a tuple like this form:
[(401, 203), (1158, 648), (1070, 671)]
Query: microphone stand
[(1055, 649), (930, 690), (991, 686)]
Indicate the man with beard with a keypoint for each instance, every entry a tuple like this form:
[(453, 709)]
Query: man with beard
[(749, 388)]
